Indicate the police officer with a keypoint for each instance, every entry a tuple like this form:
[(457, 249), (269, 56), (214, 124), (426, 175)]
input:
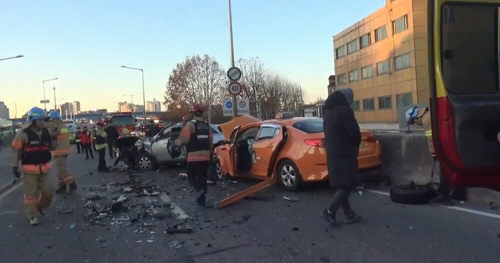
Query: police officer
[(197, 137), (60, 134), (422, 117), (32, 146)]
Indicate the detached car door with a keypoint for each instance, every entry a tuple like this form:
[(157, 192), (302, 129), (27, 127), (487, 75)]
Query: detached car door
[(227, 154), (464, 50), (265, 147)]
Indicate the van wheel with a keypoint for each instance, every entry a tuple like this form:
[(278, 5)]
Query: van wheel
[(289, 176)]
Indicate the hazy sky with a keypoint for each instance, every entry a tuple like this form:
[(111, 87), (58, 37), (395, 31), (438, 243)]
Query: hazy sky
[(84, 43)]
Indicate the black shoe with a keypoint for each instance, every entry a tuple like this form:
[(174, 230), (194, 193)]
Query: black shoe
[(201, 200), (352, 218), (72, 187), (329, 217), (61, 189)]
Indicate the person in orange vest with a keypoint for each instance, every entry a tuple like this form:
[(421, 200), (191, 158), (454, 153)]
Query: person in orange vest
[(60, 134), (32, 146)]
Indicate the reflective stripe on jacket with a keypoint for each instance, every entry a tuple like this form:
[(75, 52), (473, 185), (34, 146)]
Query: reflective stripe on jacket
[(62, 136)]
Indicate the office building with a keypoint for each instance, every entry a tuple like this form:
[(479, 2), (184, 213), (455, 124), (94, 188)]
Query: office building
[(331, 84), (150, 106), (66, 110), (383, 58), (4, 111), (76, 107), (157, 105), (124, 107)]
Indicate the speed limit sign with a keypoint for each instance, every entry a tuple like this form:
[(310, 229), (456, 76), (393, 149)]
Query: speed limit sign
[(235, 88)]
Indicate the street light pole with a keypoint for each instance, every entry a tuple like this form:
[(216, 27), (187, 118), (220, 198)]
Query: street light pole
[(143, 92), (55, 104), (19, 56), (43, 84), (235, 109)]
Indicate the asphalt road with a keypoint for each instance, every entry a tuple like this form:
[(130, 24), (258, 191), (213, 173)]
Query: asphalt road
[(271, 229)]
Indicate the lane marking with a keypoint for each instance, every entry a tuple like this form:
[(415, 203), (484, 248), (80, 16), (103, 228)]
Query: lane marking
[(5, 186), (8, 212), (466, 210), (177, 210), (10, 191)]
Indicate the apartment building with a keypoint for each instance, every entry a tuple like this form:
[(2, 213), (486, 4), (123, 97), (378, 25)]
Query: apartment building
[(383, 58)]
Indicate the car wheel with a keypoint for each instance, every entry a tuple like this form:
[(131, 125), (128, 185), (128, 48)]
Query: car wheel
[(289, 176), (144, 162), (412, 193)]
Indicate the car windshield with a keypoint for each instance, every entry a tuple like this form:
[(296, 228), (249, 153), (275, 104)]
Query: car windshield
[(123, 120), (310, 126)]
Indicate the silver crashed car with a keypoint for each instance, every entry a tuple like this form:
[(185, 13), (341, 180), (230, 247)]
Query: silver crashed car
[(158, 150)]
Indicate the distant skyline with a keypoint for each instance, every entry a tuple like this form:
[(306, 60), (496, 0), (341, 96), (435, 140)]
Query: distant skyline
[(85, 43)]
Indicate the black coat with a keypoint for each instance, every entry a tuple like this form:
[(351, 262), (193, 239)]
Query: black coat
[(342, 139)]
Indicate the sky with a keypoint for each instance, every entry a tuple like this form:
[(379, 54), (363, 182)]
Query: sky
[(84, 44)]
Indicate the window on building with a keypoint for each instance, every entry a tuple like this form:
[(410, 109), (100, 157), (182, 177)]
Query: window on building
[(355, 105), (383, 67), (368, 104), (399, 25), (404, 100), (384, 102), (340, 52), (353, 76), (342, 79), (380, 33), (402, 62), (366, 72), (364, 40), (352, 46)]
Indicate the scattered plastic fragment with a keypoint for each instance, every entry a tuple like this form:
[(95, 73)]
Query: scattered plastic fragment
[(72, 226), (291, 199)]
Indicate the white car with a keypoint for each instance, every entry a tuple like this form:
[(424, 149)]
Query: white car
[(71, 124)]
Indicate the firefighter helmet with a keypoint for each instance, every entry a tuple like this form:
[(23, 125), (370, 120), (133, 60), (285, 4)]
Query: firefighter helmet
[(36, 114)]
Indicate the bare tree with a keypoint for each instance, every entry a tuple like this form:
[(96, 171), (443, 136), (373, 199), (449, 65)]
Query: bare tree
[(195, 80)]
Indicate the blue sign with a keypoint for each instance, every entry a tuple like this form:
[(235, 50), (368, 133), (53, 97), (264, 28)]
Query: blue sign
[(229, 105)]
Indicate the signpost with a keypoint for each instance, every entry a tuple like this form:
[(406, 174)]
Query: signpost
[(243, 107), (234, 74)]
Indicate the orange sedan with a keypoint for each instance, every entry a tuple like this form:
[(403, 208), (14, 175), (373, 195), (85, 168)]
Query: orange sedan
[(292, 148)]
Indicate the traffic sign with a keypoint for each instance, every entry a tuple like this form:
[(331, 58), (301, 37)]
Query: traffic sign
[(243, 107), (234, 74), (235, 88), (44, 101)]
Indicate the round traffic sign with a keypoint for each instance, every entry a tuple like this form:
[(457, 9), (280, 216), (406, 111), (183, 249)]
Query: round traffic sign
[(235, 88), (234, 74), (243, 104), (229, 105)]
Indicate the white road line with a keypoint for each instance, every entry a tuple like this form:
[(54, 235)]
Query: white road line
[(10, 191), (377, 192), (177, 210), (5, 186), (8, 212), (466, 210)]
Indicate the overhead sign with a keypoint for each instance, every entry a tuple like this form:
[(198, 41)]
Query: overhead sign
[(234, 74), (243, 107), (44, 101), (235, 88)]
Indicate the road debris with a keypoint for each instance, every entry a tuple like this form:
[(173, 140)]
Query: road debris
[(360, 193), (494, 206), (291, 199), (243, 219), (295, 229), (175, 244), (105, 245), (72, 226), (179, 230), (325, 259), (150, 241), (65, 211), (256, 198)]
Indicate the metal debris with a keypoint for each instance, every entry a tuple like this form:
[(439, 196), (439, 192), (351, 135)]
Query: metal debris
[(179, 230), (291, 199), (243, 219)]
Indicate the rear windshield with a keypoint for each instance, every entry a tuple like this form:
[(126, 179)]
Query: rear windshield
[(310, 126), (123, 120)]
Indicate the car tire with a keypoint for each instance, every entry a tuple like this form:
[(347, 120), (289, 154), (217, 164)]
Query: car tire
[(145, 162), (218, 169), (412, 194), (289, 176)]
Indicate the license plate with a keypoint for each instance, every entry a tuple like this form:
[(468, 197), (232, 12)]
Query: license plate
[(362, 144)]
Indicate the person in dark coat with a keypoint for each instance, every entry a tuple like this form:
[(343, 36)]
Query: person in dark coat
[(113, 135), (342, 139)]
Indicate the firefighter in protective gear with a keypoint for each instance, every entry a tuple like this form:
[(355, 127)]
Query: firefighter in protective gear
[(196, 135), (422, 117), (78, 140), (32, 146), (100, 145), (60, 133)]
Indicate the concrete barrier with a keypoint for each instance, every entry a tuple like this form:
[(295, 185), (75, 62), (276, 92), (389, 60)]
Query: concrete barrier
[(405, 157)]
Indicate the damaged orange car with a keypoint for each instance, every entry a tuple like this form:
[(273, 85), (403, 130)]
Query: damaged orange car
[(292, 148)]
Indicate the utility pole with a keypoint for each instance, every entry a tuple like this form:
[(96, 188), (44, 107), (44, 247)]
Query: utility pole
[(235, 108), (55, 104)]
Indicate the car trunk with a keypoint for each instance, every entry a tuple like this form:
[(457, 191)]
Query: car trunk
[(368, 143)]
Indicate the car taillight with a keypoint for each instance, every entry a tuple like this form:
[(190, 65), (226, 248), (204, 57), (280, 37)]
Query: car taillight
[(314, 142)]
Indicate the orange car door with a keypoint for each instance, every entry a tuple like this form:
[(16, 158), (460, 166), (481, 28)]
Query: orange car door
[(266, 143), (227, 154)]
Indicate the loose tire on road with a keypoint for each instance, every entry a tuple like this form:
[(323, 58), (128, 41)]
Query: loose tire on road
[(144, 162), (289, 176), (412, 193)]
